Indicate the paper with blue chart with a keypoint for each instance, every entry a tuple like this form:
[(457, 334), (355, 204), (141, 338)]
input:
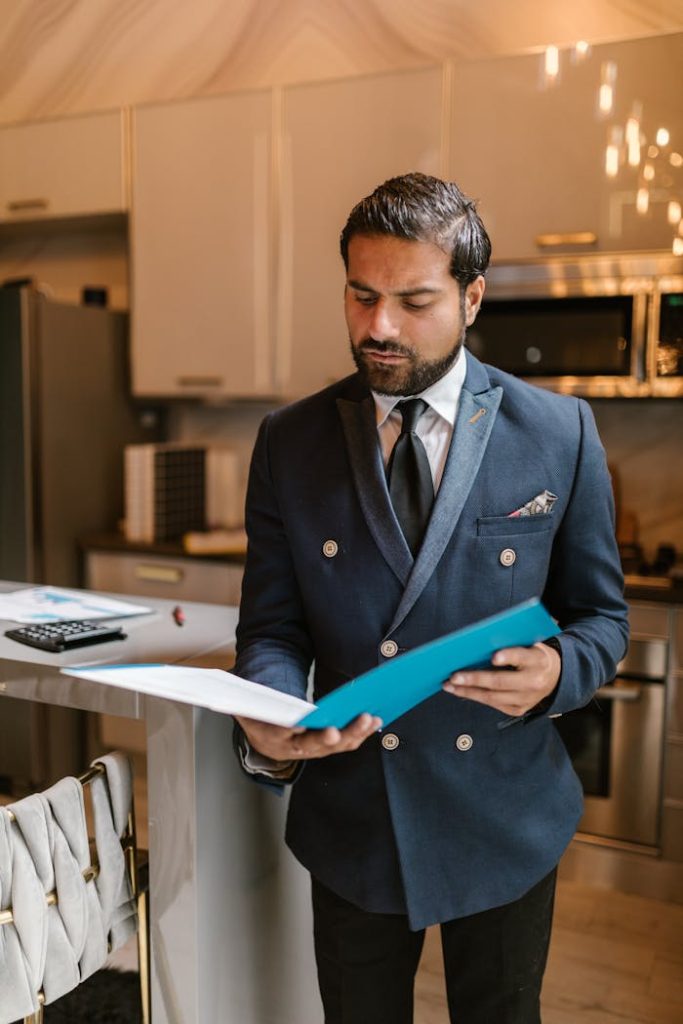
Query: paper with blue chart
[(54, 604), (388, 691)]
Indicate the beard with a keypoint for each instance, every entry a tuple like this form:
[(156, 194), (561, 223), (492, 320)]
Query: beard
[(411, 376)]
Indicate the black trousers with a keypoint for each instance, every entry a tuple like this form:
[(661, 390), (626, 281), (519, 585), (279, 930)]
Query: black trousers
[(493, 961)]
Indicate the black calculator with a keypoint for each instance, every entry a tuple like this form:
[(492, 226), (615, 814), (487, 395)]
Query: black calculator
[(63, 636)]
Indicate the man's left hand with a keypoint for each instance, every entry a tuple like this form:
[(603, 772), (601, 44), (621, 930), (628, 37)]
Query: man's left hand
[(534, 674)]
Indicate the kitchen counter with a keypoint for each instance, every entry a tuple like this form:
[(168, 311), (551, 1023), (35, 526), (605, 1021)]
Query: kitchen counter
[(230, 920), (117, 542), (637, 588), (653, 588)]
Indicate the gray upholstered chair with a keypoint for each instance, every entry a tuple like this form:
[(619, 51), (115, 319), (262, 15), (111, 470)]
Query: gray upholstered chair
[(66, 900)]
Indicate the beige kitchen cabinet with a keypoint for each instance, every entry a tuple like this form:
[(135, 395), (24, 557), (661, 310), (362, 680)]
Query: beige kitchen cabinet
[(174, 577), (70, 167), (201, 248), (534, 155), (340, 140)]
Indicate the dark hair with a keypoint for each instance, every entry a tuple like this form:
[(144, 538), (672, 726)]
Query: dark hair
[(424, 209)]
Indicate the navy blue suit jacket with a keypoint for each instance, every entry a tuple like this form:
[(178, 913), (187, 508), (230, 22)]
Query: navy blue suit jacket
[(428, 828)]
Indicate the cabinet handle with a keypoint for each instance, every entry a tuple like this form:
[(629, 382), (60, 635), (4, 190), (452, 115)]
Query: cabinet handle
[(568, 238), (623, 693), (158, 573), (199, 382), (17, 205)]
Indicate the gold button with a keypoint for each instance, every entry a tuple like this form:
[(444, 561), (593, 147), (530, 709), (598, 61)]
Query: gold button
[(507, 556), (330, 548), (464, 741), (389, 648), (390, 741)]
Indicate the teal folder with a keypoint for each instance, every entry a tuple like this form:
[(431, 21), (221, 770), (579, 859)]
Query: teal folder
[(395, 687)]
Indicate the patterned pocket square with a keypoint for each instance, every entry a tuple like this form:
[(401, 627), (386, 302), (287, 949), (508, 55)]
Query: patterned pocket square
[(540, 505)]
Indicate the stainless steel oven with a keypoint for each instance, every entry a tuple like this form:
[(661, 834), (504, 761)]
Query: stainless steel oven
[(617, 743), (601, 325)]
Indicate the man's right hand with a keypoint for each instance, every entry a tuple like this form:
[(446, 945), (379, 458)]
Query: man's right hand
[(299, 744)]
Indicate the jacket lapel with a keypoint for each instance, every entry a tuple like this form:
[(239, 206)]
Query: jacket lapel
[(365, 455), (477, 411)]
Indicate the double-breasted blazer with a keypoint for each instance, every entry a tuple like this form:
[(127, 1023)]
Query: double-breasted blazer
[(463, 808)]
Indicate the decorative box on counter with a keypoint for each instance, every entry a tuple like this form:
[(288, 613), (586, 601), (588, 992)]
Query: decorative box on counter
[(174, 488)]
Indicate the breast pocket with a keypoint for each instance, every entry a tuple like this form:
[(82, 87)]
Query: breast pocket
[(513, 554)]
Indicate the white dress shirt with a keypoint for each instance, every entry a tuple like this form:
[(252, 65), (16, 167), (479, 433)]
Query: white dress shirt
[(435, 426), (435, 430)]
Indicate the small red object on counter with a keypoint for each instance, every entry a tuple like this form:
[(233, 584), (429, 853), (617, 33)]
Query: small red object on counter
[(178, 615)]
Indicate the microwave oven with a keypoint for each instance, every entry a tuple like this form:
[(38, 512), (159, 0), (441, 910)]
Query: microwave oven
[(606, 325)]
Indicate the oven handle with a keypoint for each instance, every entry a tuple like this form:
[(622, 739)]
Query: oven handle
[(630, 692)]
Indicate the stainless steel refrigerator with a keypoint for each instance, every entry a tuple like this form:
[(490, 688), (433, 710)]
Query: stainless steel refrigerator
[(65, 417)]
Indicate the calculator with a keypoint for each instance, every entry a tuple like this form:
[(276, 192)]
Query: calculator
[(63, 636)]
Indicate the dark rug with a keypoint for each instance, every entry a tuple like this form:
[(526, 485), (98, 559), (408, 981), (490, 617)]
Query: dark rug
[(108, 997)]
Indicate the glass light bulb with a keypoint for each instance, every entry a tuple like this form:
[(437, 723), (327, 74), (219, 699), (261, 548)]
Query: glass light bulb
[(608, 72), (673, 211), (634, 153), (552, 62), (632, 130), (580, 51), (605, 98), (611, 161)]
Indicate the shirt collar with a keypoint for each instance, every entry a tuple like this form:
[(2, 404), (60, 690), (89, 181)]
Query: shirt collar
[(442, 396)]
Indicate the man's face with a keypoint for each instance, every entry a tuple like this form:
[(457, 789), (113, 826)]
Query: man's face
[(405, 313)]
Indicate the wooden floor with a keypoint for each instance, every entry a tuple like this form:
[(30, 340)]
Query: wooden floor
[(614, 959)]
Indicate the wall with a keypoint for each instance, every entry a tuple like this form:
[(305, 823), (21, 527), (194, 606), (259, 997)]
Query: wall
[(644, 442), (235, 424), (63, 262)]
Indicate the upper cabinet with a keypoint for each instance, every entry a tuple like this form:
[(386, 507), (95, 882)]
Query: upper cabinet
[(535, 153), (69, 167), (340, 140), (201, 248)]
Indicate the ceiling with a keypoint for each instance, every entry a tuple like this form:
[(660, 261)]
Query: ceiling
[(69, 56)]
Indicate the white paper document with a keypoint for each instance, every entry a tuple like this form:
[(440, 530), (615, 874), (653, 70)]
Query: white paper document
[(53, 604), (388, 690), (205, 687)]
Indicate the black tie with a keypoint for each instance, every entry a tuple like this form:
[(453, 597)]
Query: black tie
[(410, 478)]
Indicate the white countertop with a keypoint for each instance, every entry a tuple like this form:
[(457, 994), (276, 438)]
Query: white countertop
[(206, 638)]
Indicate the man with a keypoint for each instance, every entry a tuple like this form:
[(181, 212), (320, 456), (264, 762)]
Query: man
[(375, 527)]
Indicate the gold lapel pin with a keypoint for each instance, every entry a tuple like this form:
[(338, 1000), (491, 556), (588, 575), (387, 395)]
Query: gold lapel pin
[(477, 416)]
